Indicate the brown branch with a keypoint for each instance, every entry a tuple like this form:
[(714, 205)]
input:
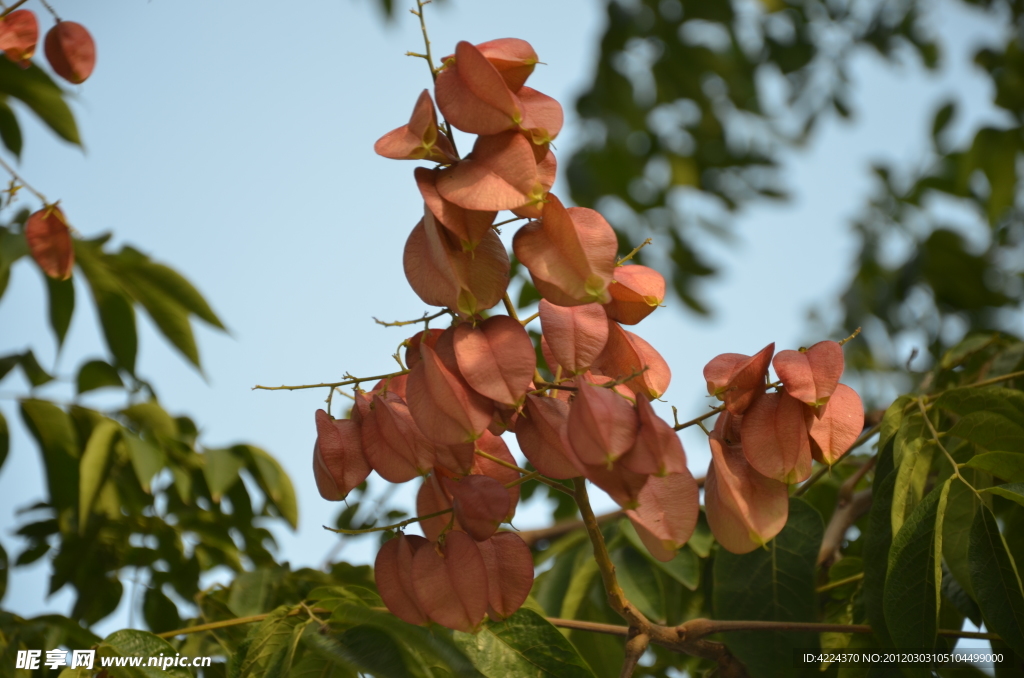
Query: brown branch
[(347, 382), (427, 317), (697, 420), (635, 648), (847, 512)]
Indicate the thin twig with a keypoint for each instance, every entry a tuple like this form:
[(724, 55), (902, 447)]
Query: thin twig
[(15, 175), (697, 420), (425, 319), (347, 382), (12, 8), (851, 337), (501, 462), (841, 582), (864, 437), (632, 254)]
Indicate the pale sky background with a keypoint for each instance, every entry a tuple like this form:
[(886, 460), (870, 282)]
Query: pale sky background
[(234, 141)]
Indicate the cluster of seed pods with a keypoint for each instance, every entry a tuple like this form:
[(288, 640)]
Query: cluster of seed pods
[(71, 52), (443, 419), (764, 441)]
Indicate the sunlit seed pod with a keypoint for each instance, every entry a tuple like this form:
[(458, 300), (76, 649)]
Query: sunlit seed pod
[(745, 510), (570, 254), (839, 426), (737, 379), (811, 376), (628, 358), (442, 274), (657, 450), (542, 116), (775, 440), (502, 173), (505, 472), (432, 497), (19, 34), (636, 292), (457, 459), (394, 385), (480, 504), (496, 358), (393, 573), (49, 242), (420, 139), (602, 425), (547, 171), (541, 432), (472, 94), (338, 461), (621, 484), (509, 565), (469, 226), (513, 58), (412, 350), (450, 581), (505, 419), (392, 443), (667, 513), (71, 51), (575, 335)]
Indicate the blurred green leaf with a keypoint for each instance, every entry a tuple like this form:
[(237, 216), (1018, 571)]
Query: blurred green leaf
[(12, 248), (93, 468), (269, 648), (911, 477), (62, 306), (1005, 465), (523, 646), (35, 374), (220, 468), (4, 570), (274, 481), (147, 459), (996, 581), (639, 581), (159, 611), (97, 374), (5, 440), (10, 130), (35, 88), (961, 505), (53, 430), (132, 643), (1012, 491), (150, 415), (684, 568)]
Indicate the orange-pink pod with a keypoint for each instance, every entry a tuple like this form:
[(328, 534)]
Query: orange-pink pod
[(636, 291), (737, 379), (496, 358), (811, 375), (480, 504), (838, 427), (575, 335), (49, 242), (504, 473), (433, 497), (472, 94), (667, 513), (621, 484), (570, 254), (509, 565), (602, 425), (338, 461), (392, 443), (71, 51), (502, 172), (450, 581), (469, 226), (446, 408), (513, 58), (392, 571), (658, 450), (775, 440), (420, 138), (627, 354), (19, 34), (541, 432)]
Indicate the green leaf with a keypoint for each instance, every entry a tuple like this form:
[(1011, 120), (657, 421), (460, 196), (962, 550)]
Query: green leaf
[(220, 468), (1011, 491), (147, 459), (97, 374), (274, 481), (132, 643), (639, 581), (251, 592), (893, 419), (961, 506), (989, 430), (5, 440), (379, 653), (36, 375), (775, 583), (170, 317), (35, 88), (523, 646), (911, 476), (62, 306), (4, 570), (53, 430), (160, 613), (684, 568), (1006, 465), (996, 581), (942, 118), (93, 468), (989, 417), (175, 286), (10, 130), (269, 648), (12, 247), (151, 416), (117, 315), (912, 585)]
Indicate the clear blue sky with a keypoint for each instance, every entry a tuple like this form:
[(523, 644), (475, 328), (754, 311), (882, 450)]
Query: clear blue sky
[(233, 140)]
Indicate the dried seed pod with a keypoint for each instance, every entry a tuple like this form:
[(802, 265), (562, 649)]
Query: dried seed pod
[(444, 406), (513, 58), (509, 566), (392, 443), (392, 570), (745, 510), (811, 376), (412, 349), (602, 425), (432, 497), (503, 172), (542, 116), (541, 432), (472, 94), (49, 242), (775, 440), (657, 449), (504, 473), (71, 51), (575, 335), (667, 513), (480, 504), (839, 426), (636, 292), (496, 358), (737, 379), (19, 34), (469, 226), (420, 139), (338, 461), (570, 254), (450, 581), (621, 484), (627, 354)]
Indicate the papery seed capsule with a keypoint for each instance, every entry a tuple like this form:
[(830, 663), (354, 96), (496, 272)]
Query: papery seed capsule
[(432, 497), (338, 461), (775, 438), (419, 139), (509, 565), (393, 573), (667, 513), (496, 358), (839, 426), (71, 51), (512, 57), (625, 355), (480, 504), (636, 292), (19, 34), (737, 379), (657, 449), (541, 432), (811, 376), (602, 425), (49, 242), (392, 443), (446, 409), (575, 335), (451, 582)]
